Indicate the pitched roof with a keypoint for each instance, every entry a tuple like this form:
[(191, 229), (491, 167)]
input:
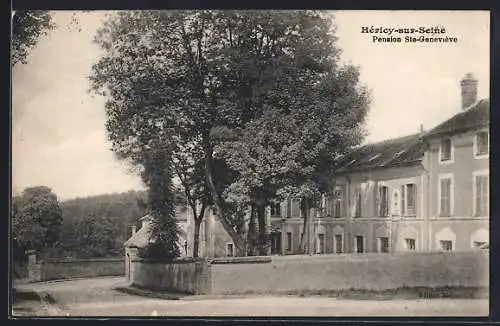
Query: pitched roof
[(141, 238), (477, 116), (180, 214), (395, 152)]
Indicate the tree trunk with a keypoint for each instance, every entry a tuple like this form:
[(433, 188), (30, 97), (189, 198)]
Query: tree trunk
[(306, 245), (263, 236), (252, 232), (304, 240), (237, 239), (196, 240)]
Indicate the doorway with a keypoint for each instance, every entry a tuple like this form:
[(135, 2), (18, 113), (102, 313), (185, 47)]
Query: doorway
[(359, 244), (321, 243), (128, 266), (276, 243)]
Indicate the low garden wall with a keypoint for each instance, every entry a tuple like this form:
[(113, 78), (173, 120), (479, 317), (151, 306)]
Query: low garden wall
[(292, 274), (75, 268), (372, 272), (182, 276)]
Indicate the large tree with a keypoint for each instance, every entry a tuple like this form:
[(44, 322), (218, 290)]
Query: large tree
[(193, 71), (158, 176), (282, 154), (36, 218), (27, 28)]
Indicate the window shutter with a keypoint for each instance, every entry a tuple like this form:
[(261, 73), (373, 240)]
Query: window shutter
[(288, 207), (415, 200), (403, 203), (342, 202), (378, 200)]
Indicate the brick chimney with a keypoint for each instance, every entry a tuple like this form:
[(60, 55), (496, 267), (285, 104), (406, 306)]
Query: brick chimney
[(469, 90), (134, 229)]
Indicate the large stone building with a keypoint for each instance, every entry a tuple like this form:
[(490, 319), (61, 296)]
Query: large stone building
[(423, 192)]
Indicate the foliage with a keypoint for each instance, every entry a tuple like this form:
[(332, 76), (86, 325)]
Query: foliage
[(315, 113), (164, 231), (97, 226), (36, 218), (190, 72), (27, 28)]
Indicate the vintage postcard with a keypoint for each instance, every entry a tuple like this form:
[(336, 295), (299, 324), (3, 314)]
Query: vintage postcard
[(250, 163)]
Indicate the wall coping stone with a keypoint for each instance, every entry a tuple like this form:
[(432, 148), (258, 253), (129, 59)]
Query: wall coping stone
[(242, 260), (186, 260), (80, 260)]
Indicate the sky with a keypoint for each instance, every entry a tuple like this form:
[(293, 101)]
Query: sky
[(58, 134)]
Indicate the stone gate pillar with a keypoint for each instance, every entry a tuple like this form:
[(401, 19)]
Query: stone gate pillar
[(34, 268)]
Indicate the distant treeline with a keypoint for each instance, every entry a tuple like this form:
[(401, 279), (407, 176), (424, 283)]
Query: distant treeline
[(98, 226)]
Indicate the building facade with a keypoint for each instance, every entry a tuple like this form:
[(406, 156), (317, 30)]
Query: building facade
[(423, 192), (458, 161)]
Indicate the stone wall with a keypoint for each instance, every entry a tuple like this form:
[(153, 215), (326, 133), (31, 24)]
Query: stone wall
[(377, 272), (181, 276), (75, 268), (290, 274)]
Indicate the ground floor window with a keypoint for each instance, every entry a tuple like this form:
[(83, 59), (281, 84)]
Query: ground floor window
[(383, 244), (410, 244), (321, 243), (338, 244), (229, 250), (480, 244), (359, 245), (289, 241), (446, 245), (276, 242)]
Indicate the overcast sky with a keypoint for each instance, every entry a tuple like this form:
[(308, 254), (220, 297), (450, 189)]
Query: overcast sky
[(58, 134)]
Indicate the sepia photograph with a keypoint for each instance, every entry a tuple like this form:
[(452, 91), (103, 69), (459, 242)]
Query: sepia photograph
[(250, 163)]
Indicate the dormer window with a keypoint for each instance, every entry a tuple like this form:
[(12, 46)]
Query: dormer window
[(481, 143), (445, 150)]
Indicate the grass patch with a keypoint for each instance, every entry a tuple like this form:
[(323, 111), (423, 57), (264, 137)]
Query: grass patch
[(403, 293), (143, 292), (19, 296)]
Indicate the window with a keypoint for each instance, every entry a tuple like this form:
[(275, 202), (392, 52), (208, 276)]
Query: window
[(383, 204), (289, 208), (275, 209), (410, 244), (445, 150), (321, 243), (295, 208), (482, 143), (359, 244), (338, 203), (481, 195), (445, 196), (357, 211), (409, 200), (229, 250), (480, 244), (383, 244), (446, 245), (289, 241), (338, 243)]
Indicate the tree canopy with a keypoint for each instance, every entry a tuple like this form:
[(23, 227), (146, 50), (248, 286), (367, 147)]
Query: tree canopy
[(36, 218), (270, 77), (27, 28)]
